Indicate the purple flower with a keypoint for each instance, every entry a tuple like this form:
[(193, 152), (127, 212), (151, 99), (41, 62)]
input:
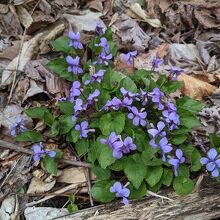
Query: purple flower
[(103, 58), (92, 97), (74, 65), (75, 90), (171, 107), (115, 104), (144, 97), (18, 126), (61, 99), (95, 77), (74, 40), (172, 119), (120, 192), (175, 162), (212, 163), (155, 63), (129, 56), (104, 45), (127, 94), (159, 131), (165, 147), (138, 117), (83, 128), (99, 29), (78, 106), (38, 152), (176, 71), (126, 102), (156, 96), (128, 145)]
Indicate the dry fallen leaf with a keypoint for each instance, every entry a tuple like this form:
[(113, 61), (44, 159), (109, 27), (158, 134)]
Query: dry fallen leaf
[(195, 88), (39, 186)]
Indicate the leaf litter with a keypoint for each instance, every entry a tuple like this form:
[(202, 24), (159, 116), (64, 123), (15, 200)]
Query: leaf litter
[(184, 33)]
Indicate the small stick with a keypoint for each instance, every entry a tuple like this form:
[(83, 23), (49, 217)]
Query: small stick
[(11, 146), (159, 196), (89, 186), (58, 192)]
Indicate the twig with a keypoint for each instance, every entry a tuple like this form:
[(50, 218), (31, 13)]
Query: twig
[(11, 146), (19, 55), (87, 171), (159, 196), (58, 192)]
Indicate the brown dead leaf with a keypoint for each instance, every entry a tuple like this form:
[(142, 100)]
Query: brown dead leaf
[(24, 16), (195, 88), (96, 5), (39, 186)]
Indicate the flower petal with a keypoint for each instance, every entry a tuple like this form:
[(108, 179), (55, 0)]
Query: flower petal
[(212, 153)]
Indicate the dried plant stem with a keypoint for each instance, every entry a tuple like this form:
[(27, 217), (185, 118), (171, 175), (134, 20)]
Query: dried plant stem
[(158, 196), (11, 146)]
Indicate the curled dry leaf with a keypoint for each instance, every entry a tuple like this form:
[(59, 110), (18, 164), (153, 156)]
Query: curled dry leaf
[(195, 88), (24, 16), (39, 186)]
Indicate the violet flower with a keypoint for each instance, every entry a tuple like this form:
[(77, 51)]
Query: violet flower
[(93, 97), (128, 145), (75, 90), (165, 147), (127, 94), (75, 40), (38, 152), (126, 102), (103, 58), (156, 62), (78, 107), (176, 162), (99, 29), (18, 126), (61, 99), (138, 117), (115, 104), (211, 162), (121, 192), (129, 56), (104, 45), (83, 128), (95, 77), (74, 65), (156, 96), (175, 71), (144, 97), (172, 119)]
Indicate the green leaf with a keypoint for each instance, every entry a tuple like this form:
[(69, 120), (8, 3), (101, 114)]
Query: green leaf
[(188, 119), (102, 174), (154, 175), (82, 147), (100, 191), (138, 193), (72, 198), (50, 165), (148, 157), (167, 177), (181, 130), (190, 104), (72, 208), (66, 124), (128, 84), (37, 112), (103, 98), (93, 152), (141, 139), (59, 154), (110, 122), (75, 135), (48, 118), (160, 82), (171, 86), (215, 141), (55, 128), (183, 185), (111, 80), (119, 165), (59, 66), (135, 172), (183, 170), (178, 139), (32, 136), (62, 44), (140, 74), (66, 107), (105, 157)]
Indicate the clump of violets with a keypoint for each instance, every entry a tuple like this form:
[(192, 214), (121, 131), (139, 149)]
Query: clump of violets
[(83, 128), (38, 152), (212, 162), (74, 65), (18, 126), (156, 98), (175, 71), (128, 57), (177, 161), (156, 62), (138, 117), (121, 192), (75, 40)]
